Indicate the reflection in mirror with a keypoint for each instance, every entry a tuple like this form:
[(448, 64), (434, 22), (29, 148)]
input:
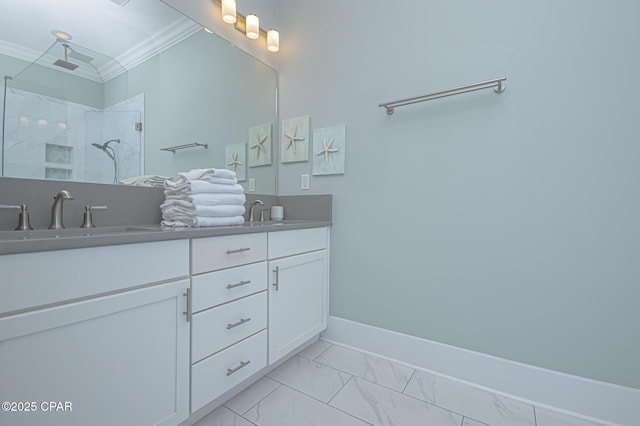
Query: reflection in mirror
[(74, 113)]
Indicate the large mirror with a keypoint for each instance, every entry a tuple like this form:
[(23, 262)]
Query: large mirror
[(129, 92)]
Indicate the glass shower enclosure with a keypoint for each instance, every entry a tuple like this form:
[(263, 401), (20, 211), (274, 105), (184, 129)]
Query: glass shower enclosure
[(68, 116)]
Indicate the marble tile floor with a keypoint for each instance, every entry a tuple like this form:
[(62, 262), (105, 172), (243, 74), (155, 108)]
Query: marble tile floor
[(332, 385)]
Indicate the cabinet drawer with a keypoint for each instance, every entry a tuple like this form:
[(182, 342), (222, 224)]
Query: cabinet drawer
[(30, 279), (213, 376), (225, 325), (287, 243), (216, 288), (211, 254)]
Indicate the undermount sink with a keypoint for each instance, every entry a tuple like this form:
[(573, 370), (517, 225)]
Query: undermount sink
[(44, 234)]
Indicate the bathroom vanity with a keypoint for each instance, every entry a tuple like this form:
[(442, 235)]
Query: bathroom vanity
[(138, 325)]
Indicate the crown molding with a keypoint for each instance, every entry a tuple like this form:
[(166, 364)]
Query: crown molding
[(141, 52)]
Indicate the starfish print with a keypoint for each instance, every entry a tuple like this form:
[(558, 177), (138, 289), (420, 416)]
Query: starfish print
[(326, 149), (234, 162), (293, 139), (259, 145)]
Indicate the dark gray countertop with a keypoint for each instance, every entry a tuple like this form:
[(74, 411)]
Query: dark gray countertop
[(12, 242)]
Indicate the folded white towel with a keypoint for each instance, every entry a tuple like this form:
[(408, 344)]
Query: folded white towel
[(171, 212), (194, 174), (205, 221), (219, 211), (224, 173), (145, 180), (180, 203), (205, 174), (176, 186), (186, 219), (201, 187), (187, 199), (223, 181)]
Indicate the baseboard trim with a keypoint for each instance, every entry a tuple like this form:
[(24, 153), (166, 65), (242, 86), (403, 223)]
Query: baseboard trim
[(606, 403)]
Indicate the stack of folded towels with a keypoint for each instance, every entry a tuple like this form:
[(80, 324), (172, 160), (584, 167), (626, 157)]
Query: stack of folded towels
[(203, 197)]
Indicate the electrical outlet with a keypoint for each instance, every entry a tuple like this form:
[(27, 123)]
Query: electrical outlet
[(304, 181), (252, 184)]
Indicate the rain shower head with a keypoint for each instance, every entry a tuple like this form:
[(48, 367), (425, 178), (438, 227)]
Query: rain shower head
[(64, 63)]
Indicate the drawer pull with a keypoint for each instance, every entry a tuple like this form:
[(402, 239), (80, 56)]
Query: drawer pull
[(230, 286), (243, 364), (276, 284), (240, 250), (242, 321), (188, 312)]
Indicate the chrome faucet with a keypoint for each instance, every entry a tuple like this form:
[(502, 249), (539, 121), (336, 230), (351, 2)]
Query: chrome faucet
[(56, 209), (251, 207)]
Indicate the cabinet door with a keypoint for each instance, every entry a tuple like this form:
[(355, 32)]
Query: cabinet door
[(297, 301), (121, 359)]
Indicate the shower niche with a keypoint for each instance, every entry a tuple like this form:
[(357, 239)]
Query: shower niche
[(81, 125)]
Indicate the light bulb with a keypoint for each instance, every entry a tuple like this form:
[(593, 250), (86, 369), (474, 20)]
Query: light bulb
[(253, 27), (273, 40), (229, 11)]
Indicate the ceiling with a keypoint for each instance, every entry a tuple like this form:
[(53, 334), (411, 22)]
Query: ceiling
[(130, 33)]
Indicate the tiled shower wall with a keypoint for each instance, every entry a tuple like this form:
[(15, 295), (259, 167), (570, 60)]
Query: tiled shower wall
[(48, 138)]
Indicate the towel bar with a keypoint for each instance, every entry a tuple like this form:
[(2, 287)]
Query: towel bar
[(173, 149), (497, 84)]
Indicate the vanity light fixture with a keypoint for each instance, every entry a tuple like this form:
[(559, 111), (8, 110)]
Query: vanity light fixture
[(252, 30), (248, 25), (273, 40), (229, 11)]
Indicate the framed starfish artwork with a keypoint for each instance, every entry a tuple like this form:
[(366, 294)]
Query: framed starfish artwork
[(260, 145), (235, 158), (328, 150), (295, 140)]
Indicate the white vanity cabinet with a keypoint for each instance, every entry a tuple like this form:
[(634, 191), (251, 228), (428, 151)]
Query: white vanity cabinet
[(103, 335), (298, 290), (229, 319), (150, 333)]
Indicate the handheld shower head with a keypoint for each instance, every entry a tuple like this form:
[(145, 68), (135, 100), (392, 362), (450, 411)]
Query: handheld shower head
[(111, 153), (105, 145)]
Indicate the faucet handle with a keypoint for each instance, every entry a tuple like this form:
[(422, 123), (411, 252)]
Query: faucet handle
[(23, 217), (9, 207), (88, 218)]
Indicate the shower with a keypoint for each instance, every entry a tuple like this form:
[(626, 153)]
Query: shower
[(64, 63), (111, 153)]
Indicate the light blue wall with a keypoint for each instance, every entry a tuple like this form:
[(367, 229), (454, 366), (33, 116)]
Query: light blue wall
[(506, 224), (60, 84), (203, 90)]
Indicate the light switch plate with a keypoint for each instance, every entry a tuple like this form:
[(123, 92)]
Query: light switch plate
[(304, 181), (252, 184)]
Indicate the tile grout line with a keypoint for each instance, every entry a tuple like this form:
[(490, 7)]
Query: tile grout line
[(342, 411), (306, 394), (413, 372), (325, 349), (259, 401), (326, 403), (364, 378), (432, 404), (339, 390)]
